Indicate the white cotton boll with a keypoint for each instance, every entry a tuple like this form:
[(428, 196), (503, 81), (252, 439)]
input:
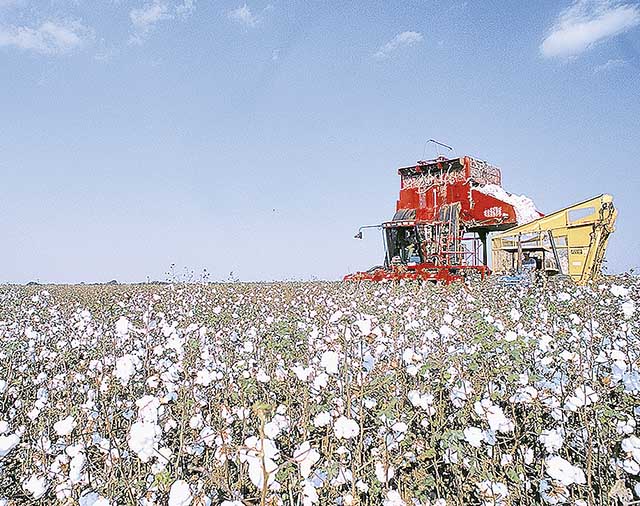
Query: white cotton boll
[(364, 326), (393, 498), (510, 336), (553, 492), (506, 460), (460, 392), (346, 428), (473, 436), (628, 308), (76, 466), (8, 443), (583, 396), (276, 425), (384, 475), (122, 326), (322, 419), (563, 471), (515, 314), (492, 493), (302, 373), (36, 486), (64, 427), (180, 494), (163, 457), (148, 408), (204, 377), (498, 421), (631, 447), (4, 426), (400, 427), (408, 356), (330, 361), (446, 331), (259, 464), (208, 436), (196, 421), (262, 376), (231, 503), (91, 498), (619, 291), (552, 439), (335, 316), (369, 403), (309, 494), (126, 367), (450, 456), (306, 457), (362, 486), (143, 439), (626, 427), (564, 297)]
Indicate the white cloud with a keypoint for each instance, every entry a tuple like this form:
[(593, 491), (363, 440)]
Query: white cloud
[(145, 18), (586, 23), (609, 65), (243, 15), (186, 7), (50, 38), (404, 39)]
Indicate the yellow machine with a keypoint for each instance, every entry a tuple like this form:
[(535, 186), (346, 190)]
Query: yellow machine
[(570, 242)]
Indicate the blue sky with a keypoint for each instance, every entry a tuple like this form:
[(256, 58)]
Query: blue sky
[(257, 137)]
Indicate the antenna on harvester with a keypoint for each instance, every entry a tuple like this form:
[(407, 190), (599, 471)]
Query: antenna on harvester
[(436, 143)]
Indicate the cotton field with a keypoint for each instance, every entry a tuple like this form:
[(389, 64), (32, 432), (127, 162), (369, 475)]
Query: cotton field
[(320, 393)]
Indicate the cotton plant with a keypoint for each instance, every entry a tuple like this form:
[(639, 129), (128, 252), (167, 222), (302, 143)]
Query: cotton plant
[(385, 394)]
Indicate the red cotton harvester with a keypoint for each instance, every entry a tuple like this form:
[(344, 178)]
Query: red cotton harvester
[(439, 231)]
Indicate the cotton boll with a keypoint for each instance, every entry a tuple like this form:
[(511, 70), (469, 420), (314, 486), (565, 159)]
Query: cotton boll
[(36, 485), (345, 428), (306, 457), (302, 373), (196, 421), (492, 493), (628, 309), (561, 470), (322, 419), (384, 473), (619, 291), (393, 498), (320, 381), (330, 361), (65, 427), (335, 316), (143, 439), (180, 494), (126, 367), (8, 443), (473, 436), (90, 498), (364, 326)]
